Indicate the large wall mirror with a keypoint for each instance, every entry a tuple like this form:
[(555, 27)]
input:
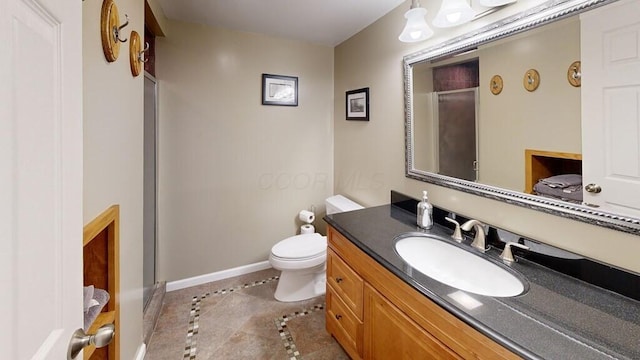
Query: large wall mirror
[(498, 113)]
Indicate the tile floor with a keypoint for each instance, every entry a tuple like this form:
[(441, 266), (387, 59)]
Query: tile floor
[(238, 318)]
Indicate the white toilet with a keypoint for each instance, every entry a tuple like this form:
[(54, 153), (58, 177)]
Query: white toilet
[(302, 259)]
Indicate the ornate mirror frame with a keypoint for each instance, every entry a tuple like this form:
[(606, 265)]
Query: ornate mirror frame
[(540, 15)]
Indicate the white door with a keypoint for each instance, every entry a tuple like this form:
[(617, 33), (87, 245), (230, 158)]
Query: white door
[(40, 177), (610, 46)]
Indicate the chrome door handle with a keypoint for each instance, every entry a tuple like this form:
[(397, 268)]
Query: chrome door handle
[(593, 188), (80, 340)]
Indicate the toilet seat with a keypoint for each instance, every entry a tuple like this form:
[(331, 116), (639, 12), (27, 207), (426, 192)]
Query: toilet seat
[(300, 247)]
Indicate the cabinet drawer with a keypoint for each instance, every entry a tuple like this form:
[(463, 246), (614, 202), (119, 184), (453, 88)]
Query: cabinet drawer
[(343, 324), (346, 283)]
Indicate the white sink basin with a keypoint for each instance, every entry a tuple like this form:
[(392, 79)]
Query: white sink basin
[(457, 267)]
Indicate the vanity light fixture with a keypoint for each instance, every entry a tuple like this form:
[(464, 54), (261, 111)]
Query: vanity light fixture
[(416, 28), (453, 13)]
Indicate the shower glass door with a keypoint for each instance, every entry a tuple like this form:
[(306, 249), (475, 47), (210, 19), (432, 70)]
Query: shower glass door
[(150, 190), (457, 134)]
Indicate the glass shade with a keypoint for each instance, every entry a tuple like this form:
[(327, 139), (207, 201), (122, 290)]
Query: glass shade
[(453, 13), (416, 28)]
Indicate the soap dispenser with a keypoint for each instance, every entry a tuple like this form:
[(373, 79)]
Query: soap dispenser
[(425, 212)]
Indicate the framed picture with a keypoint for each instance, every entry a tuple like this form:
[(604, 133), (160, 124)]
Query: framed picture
[(279, 90), (358, 104)]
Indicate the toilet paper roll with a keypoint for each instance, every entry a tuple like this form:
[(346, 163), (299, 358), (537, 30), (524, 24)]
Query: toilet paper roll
[(307, 229), (306, 216)]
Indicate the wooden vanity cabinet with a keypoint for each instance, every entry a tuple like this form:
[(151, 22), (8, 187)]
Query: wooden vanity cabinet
[(396, 321)]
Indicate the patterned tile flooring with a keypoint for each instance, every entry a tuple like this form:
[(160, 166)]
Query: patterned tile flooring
[(238, 318)]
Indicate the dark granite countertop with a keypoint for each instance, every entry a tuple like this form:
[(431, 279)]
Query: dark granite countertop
[(559, 317)]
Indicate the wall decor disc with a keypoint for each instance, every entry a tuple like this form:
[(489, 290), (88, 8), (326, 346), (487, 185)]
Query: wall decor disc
[(531, 80), (574, 74), (109, 20), (495, 85), (134, 53)]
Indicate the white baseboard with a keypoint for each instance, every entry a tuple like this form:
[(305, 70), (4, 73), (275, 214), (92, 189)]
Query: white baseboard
[(219, 275), (142, 351)]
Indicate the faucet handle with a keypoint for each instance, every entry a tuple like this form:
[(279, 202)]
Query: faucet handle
[(457, 233), (507, 255), (479, 239)]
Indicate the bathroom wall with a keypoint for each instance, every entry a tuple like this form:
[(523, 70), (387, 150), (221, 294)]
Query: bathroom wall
[(233, 174), (113, 114), (424, 129), (369, 156)]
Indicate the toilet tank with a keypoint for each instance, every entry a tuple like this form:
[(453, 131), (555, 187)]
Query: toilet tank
[(339, 203)]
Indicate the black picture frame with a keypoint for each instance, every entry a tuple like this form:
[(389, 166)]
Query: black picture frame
[(279, 90), (357, 104)]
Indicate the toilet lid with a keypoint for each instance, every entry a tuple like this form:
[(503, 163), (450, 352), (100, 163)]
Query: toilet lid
[(300, 246)]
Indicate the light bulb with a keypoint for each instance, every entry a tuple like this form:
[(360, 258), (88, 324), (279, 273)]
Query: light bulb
[(454, 17), (453, 13)]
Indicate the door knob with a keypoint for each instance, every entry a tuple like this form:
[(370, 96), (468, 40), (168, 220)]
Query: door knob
[(593, 188), (80, 340)]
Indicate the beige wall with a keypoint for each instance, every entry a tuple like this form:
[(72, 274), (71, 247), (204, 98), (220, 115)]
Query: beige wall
[(233, 173), (423, 132), (113, 155), (373, 152)]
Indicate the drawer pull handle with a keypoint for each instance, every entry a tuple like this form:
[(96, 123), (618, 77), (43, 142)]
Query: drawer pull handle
[(338, 316), (338, 280)]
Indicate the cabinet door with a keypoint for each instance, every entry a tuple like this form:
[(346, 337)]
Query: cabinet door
[(390, 334)]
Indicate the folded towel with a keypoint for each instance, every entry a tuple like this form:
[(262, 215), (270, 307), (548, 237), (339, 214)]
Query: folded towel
[(102, 298), (88, 296), (562, 181), (571, 193)]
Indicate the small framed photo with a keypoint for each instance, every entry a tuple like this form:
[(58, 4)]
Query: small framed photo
[(358, 104), (279, 90)]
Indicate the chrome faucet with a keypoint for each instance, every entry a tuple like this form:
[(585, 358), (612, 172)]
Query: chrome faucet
[(478, 240)]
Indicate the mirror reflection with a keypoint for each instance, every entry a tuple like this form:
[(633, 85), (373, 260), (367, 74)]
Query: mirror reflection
[(509, 114), (462, 129)]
